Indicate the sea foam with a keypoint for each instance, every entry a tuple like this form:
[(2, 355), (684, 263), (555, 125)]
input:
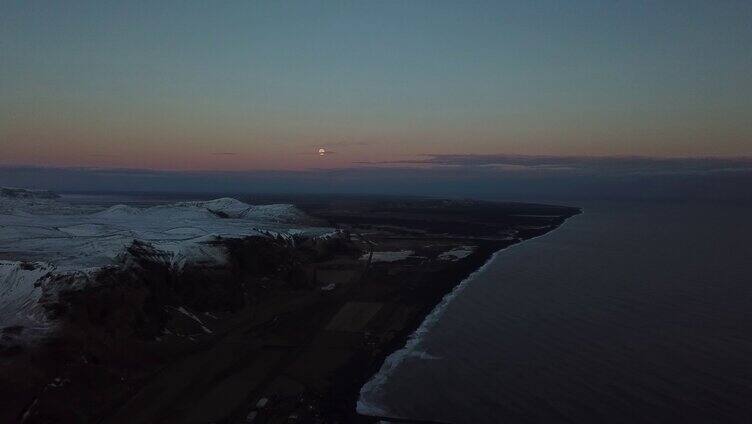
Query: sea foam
[(369, 400)]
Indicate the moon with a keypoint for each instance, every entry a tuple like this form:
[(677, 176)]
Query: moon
[(322, 151)]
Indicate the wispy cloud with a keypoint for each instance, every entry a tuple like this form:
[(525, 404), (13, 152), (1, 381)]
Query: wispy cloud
[(538, 178), (581, 164)]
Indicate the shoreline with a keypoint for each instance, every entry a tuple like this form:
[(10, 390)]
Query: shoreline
[(406, 345), (395, 358), (351, 378)]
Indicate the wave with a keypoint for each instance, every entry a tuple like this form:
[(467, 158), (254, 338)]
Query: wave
[(368, 402)]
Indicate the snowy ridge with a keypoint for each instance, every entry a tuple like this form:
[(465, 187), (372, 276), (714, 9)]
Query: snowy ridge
[(69, 240), (20, 294), (41, 238), (232, 208), (218, 208)]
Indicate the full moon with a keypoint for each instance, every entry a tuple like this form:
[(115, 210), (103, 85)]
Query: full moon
[(322, 151)]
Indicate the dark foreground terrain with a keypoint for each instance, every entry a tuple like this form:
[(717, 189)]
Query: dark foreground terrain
[(286, 332)]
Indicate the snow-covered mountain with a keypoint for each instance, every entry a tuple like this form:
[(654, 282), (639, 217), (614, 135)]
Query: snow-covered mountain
[(41, 237), (20, 292)]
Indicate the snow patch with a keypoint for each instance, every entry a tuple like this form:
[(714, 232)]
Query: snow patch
[(329, 287), (388, 256), (185, 312), (20, 292), (457, 253)]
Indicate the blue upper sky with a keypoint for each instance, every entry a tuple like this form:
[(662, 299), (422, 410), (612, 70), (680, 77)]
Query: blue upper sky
[(198, 85)]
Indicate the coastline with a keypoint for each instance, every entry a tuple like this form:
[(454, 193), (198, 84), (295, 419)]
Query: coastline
[(370, 407), (406, 346), (309, 326)]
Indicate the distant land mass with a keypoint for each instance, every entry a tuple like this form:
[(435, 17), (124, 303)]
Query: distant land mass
[(219, 310)]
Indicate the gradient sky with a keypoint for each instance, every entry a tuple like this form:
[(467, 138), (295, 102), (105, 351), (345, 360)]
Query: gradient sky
[(260, 85)]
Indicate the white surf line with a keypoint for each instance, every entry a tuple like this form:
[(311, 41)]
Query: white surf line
[(368, 406), (367, 401)]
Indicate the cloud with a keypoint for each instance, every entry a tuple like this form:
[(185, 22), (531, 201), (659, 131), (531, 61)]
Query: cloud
[(523, 178), (602, 165)]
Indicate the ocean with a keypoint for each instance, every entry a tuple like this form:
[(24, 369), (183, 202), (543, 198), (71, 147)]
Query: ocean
[(629, 312)]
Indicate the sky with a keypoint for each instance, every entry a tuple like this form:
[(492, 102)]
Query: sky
[(261, 85), (432, 90)]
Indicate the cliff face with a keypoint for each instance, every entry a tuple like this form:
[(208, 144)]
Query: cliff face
[(118, 323), (87, 293), (137, 297), (142, 297)]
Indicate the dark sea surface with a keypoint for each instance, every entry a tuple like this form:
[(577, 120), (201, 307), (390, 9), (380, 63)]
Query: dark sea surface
[(630, 312)]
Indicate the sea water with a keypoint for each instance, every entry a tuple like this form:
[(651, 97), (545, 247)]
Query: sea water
[(629, 312)]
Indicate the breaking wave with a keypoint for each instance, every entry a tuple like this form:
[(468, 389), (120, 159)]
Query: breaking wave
[(368, 402)]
